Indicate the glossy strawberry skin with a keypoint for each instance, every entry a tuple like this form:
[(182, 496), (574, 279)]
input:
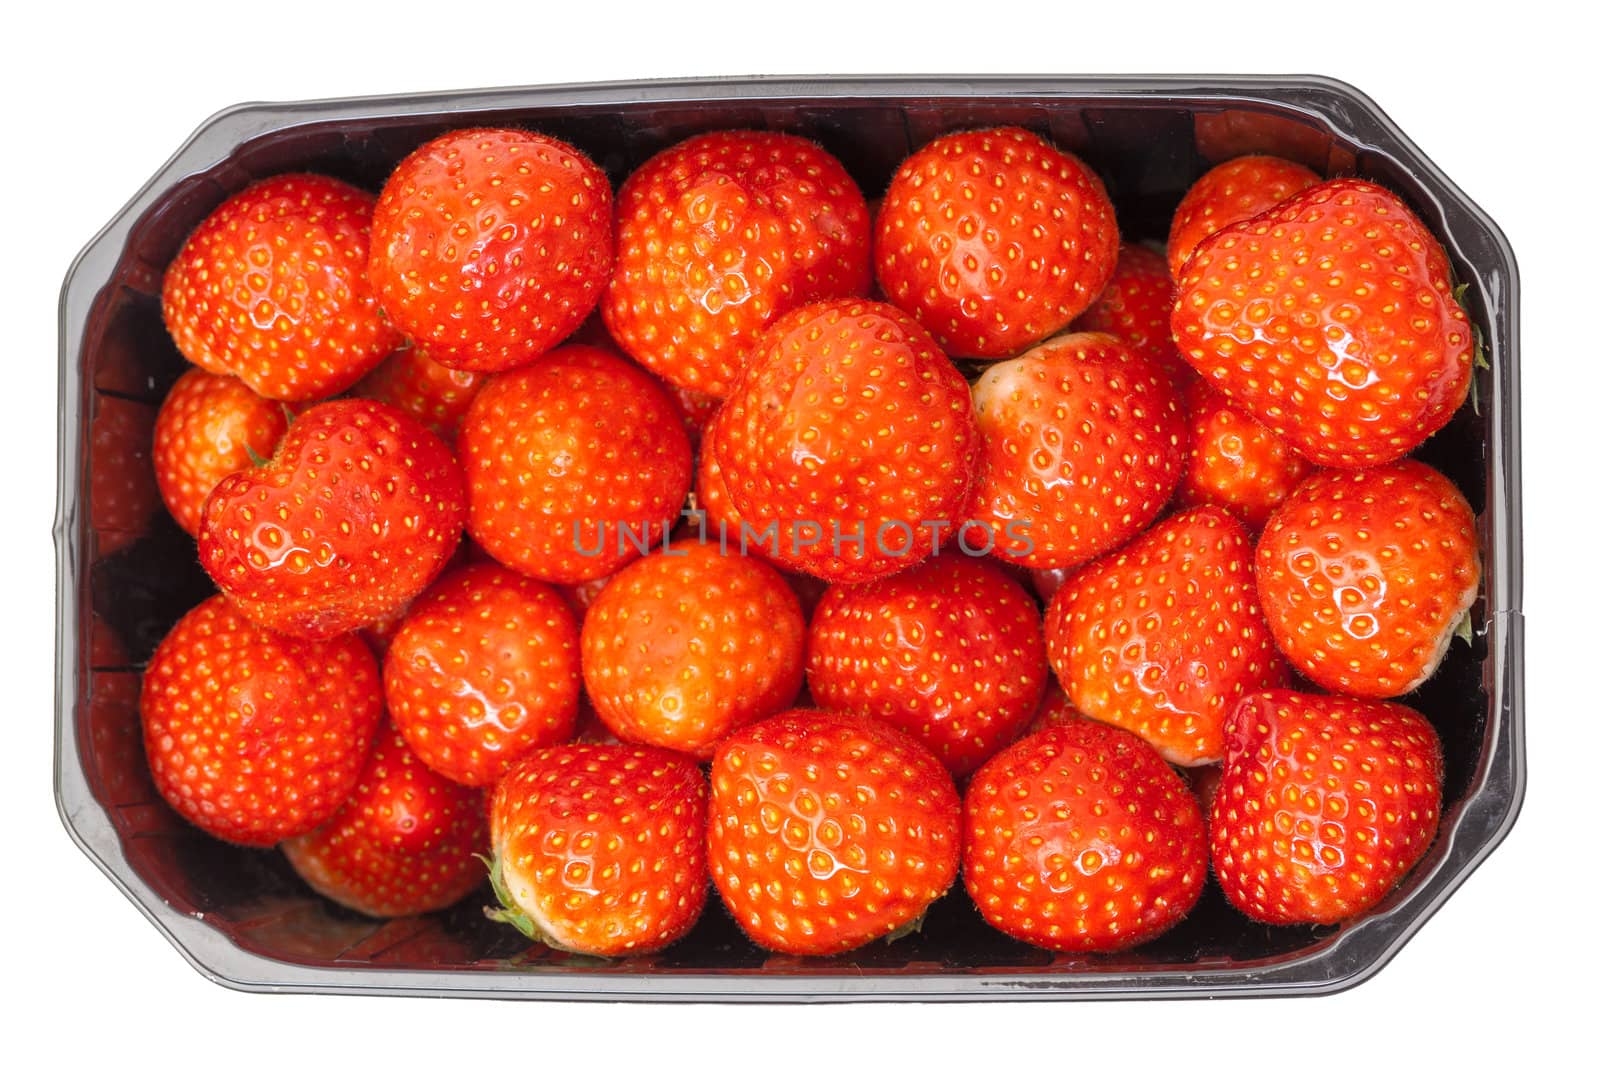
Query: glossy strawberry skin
[(1228, 193), (720, 235), (950, 652), (828, 831), (1136, 306), (600, 849), (1235, 462), (405, 843), (483, 670), (1164, 635), (356, 513), (849, 424), (207, 429), (1325, 803), (1355, 352), (1083, 444), (1080, 839), (572, 463), (688, 644), (272, 287), (252, 736), (1365, 576), (490, 246), (435, 395), (994, 240)]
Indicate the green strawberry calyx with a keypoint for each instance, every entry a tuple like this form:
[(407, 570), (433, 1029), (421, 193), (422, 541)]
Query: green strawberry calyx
[(509, 913)]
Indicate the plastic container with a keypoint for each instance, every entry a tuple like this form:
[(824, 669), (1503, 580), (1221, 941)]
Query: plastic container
[(125, 572)]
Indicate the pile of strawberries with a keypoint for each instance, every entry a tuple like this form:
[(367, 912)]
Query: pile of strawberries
[(847, 549)]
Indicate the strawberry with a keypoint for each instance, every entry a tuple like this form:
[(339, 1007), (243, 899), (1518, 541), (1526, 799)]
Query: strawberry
[(1136, 306), (688, 644), (829, 831), (123, 493), (490, 246), (1083, 444), (210, 427), (406, 841), (580, 597), (697, 408), (848, 442), (1366, 575), (1325, 803), (1235, 462), (1330, 318), (355, 514), (483, 670), (1054, 709), (600, 849), (1228, 193), (720, 235), (1046, 582), (253, 736), (994, 240), (435, 395), (950, 652), (1080, 839), (1162, 637), (272, 288), (573, 464)]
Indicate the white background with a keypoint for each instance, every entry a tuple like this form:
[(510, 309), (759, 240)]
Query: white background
[(97, 100)]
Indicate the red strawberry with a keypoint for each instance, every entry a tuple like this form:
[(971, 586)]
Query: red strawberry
[(581, 596), (483, 670), (435, 395), (1235, 462), (1325, 803), (829, 831), (720, 235), (210, 427), (1164, 636), (600, 849), (573, 464), (950, 652), (490, 246), (253, 736), (1330, 318), (1080, 839), (1228, 193), (406, 842), (1046, 582), (698, 409), (354, 516), (272, 287), (688, 644), (123, 495), (1136, 306), (994, 240), (1083, 444), (1054, 709), (849, 440), (1365, 575)]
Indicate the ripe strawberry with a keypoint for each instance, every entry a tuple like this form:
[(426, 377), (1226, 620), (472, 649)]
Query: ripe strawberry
[(210, 427), (698, 410), (123, 495), (1235, 462), (1083, 443), (1080, 839), (1228, 193), (358, 510), (1330, 319), (1054, 709), (580, 597), (1046, 582), (720, 235), (600, 849), (490, 246), (1325, 803), (483, 670), (950, 652), (994, 240), (1136, 306), (828, 831), (688, 644), (272, 288), (1365, 575), (435, 395), (573, 464), (252, 736), (1164, 636), (849, 439), (406, 842)]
